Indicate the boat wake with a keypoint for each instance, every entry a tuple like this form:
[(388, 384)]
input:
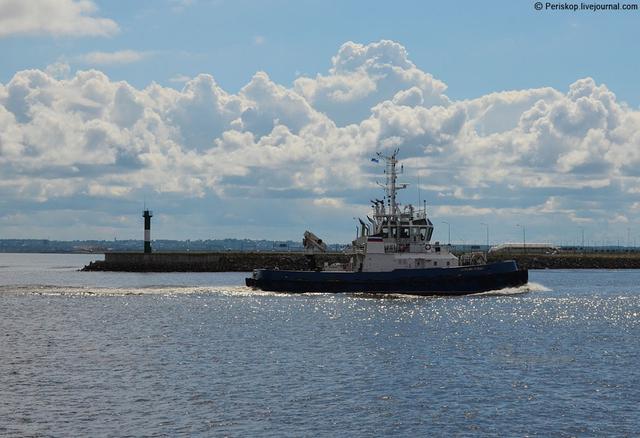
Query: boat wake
[(81, 291), (228, 290), (524, 289)]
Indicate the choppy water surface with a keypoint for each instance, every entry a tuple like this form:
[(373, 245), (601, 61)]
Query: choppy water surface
[(170, 354)]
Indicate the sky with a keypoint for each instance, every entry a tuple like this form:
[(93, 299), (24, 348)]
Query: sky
[(258, 119)]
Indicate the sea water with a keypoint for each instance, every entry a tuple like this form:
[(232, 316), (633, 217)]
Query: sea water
[(99, 353)]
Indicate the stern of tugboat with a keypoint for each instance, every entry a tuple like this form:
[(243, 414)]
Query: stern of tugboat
[(251, 281)]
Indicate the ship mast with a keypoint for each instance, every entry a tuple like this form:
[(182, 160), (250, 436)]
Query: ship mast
[(391, 187)]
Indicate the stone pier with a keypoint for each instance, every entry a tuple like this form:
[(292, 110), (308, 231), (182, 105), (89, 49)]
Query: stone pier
[(248, 261), (210, 261)]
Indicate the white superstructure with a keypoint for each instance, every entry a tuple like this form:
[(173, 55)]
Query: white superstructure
[(397, 237)]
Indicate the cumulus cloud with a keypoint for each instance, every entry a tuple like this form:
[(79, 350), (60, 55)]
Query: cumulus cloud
[(70, 139), (53, 17), (362, 76)]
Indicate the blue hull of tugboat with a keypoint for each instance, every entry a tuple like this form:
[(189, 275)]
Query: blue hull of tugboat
[(433, 281)]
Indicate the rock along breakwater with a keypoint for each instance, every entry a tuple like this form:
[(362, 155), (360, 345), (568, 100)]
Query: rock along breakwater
[(248, 261)]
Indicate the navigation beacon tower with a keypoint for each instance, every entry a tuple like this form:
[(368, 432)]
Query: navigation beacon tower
[(147, 215)]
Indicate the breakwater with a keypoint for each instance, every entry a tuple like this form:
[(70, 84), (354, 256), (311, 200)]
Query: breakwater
[(248, 261), (211, 261), (574, 261)]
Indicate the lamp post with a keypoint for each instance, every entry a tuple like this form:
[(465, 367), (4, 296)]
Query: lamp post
[(524, 238), (357, 231), (449, 227), (486, 225)]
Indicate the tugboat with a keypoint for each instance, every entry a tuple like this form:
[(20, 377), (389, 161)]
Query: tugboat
[(394, 254)]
